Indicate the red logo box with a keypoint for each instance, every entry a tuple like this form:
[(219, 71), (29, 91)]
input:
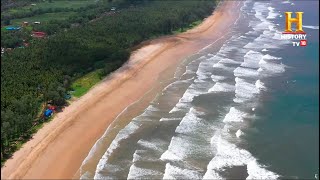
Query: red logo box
[(303, 42)]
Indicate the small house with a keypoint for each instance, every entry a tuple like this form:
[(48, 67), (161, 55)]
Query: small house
[(37, 22), (113, 8), (25, 23), (33, 4), (53, 108), (38, 34)]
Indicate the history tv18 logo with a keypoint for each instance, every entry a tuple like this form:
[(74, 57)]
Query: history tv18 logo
[(299, 36)]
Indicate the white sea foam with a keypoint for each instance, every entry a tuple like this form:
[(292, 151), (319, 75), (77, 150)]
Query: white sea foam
[(245, 90), (183, 145), (139, 155), (216, 58), (123, 134), (170, 119), (266, 40), (148, 151), (86, 175), (265, 43), (258, 14), (175, 84), (217, 78), (262, 61), (212, 174), (241, 83), (152, 108), (234, 115), (260, 85), (239, 133), (202, 76), (173, 172), (180, 145), (178, 107), (177, 150), (193, 90), (268, 57), (245, 72), (204, 70), (269, 69), (229, 155), (272, 14), (257, 171), (263, 26), (251, 59), (311, 27), (155, 145), (222, 66), (186, 99), (188, 71), (138, 172), (149, 110), (190, 123), (229, 61), (222, 87)]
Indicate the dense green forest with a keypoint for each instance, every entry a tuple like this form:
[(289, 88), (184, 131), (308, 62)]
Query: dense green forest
[(43, 72)]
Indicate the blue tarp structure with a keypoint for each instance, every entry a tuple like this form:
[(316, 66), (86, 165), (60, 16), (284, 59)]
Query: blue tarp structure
[(12, 28), (48, 112)]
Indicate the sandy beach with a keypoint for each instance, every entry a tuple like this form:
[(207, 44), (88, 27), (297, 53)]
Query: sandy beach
[(57, 150)]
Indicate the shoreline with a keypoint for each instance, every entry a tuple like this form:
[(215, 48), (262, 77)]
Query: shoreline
[(86, 119)]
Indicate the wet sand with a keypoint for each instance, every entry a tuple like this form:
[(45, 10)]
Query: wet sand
[(58, 149)]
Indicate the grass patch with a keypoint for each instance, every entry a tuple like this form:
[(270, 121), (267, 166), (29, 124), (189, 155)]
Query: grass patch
[(3, 29), (83, 84), (29, 28), (44, 17), (192, 25)]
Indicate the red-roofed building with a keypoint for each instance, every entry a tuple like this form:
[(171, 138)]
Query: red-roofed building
[(52, 108), (38, 34)]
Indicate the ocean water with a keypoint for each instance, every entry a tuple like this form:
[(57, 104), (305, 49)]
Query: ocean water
[(248, 109)]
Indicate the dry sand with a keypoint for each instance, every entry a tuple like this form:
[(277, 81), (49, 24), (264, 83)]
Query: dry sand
[(58, 149)]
